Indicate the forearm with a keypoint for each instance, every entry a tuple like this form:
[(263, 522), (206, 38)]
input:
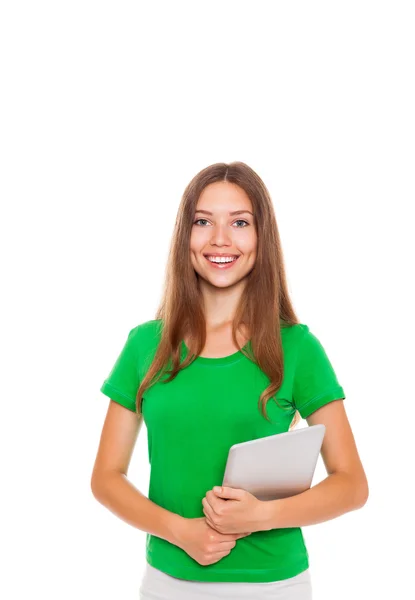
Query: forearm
[(330, 498), (119, 495)]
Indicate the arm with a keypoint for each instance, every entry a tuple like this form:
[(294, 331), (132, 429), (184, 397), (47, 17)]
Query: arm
[(109, 483), (346, 487), (118, 494)]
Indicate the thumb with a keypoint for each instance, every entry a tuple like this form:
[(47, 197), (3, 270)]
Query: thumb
[(227, 492)]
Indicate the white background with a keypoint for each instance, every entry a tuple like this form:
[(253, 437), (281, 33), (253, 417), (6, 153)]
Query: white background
[(108, 109)]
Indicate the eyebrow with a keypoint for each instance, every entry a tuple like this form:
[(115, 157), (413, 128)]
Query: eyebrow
[(235, 212)]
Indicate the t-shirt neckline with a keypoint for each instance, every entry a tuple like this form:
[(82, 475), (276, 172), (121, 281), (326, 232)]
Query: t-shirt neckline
[(215, 361)]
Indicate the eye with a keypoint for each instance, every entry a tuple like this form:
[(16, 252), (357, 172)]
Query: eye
[(237, 221)]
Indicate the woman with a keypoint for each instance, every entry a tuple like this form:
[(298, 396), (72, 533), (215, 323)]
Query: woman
[(225, 341)]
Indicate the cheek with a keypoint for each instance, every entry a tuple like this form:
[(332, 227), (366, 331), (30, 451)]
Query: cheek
[(248, 245), (197, 240), (193, 242)]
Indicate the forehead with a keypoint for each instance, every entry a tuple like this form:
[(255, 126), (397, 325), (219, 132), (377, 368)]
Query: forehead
[(223, 196)]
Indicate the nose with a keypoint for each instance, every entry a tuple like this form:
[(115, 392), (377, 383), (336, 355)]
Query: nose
[(220, 235)]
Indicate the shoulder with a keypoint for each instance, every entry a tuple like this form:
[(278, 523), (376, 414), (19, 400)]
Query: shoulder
[(145, 338), (298, 343), (146, 332), (295, 334)]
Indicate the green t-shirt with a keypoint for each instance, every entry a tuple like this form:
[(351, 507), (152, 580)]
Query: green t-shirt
[(191, 423)]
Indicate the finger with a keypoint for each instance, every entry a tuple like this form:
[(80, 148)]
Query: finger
[(213, 500), (209, 522), (207, 509)]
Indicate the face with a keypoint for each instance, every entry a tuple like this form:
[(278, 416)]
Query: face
[(216, 232)]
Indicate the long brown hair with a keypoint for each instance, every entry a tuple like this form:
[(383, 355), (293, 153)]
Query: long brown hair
[(264, 301)]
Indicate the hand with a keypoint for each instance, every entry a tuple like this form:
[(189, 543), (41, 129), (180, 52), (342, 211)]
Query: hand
[(233, 510), (202, 543)]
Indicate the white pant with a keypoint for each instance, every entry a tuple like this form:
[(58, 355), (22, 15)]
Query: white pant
[(157, 585)]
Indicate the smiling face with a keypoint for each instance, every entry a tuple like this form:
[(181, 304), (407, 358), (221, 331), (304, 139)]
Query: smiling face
[(220, 235)]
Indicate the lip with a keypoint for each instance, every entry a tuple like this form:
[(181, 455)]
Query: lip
[(219, 254), (228, 265)]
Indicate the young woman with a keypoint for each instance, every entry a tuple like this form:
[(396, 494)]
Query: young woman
[(225, 361)]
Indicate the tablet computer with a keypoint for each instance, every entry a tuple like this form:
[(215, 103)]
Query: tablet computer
[(276, 466)]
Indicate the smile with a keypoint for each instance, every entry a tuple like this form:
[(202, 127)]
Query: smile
[(225, 262)]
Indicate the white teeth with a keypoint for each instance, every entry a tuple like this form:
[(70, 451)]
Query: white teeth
[(221, 259)]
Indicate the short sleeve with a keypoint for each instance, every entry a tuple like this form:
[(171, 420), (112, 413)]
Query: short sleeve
[(122, 382), (315, 382)]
